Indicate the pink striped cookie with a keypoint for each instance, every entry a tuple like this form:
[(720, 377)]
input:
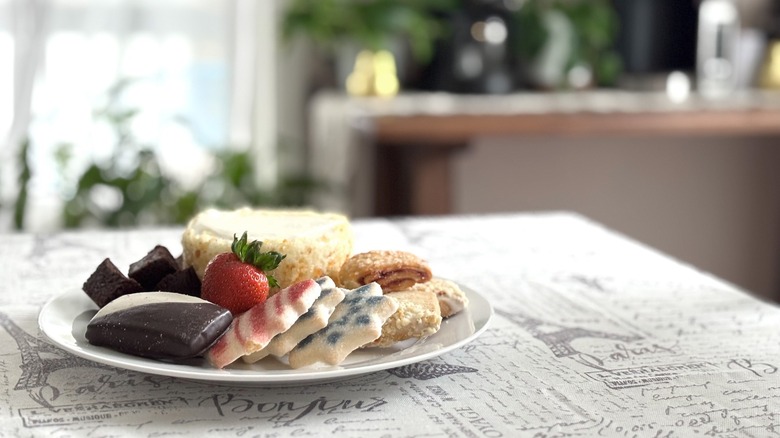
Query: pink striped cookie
[(311, 321), (254, 329)]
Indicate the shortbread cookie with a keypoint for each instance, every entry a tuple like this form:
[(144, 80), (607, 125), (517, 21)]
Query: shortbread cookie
[(392, 270), (356, 321), (316, 244), (311, 321), (418, 316), (254, 329), (158, 325), (451, 298)]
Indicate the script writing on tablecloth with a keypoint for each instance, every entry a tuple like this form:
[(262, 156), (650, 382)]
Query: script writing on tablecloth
[(594, 336), (654, 363), (77, 394)]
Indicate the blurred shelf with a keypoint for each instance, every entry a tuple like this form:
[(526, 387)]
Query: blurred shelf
[(414, 136), (457, 128)]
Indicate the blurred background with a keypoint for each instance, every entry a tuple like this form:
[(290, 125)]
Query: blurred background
[(118, 113)]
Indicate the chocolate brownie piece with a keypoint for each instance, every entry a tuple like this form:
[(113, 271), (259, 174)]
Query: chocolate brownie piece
[(153, 267), (185, 282), (108, 283)]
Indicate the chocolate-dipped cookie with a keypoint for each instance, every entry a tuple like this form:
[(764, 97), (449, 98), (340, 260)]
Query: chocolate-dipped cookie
[(158, 325)]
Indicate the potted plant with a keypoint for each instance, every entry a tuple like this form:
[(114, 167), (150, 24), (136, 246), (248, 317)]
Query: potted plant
[(343, 28), (558, 39)]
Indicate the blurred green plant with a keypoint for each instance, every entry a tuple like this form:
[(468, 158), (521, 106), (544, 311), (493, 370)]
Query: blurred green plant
[(129, 188), (371, 23), (595, 24)]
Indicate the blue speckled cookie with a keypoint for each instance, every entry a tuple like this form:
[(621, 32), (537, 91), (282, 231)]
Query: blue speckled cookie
[(310, 322), (357, 320)]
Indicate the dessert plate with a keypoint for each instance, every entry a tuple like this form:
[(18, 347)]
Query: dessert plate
[(64, 318)]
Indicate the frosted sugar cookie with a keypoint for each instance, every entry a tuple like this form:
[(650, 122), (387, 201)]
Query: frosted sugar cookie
[(313, 320), (356, 321), (254, 329)]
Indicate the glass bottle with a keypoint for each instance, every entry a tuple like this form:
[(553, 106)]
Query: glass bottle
[(716, 54)]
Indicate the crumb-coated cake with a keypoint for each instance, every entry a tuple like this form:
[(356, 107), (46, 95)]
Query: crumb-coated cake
[(316, 244)]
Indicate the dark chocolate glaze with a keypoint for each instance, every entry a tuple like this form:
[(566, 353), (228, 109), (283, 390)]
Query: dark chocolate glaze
[(168, 331)]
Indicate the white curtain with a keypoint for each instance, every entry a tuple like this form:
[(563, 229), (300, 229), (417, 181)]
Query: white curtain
[(199, 71)]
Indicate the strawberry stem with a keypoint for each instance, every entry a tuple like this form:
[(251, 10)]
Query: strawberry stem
[(250, 253)]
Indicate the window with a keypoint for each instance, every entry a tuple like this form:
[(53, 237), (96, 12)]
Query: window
[(186, 66)]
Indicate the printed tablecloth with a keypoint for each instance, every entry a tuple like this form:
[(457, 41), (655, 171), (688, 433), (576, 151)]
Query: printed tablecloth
[(594, 335)]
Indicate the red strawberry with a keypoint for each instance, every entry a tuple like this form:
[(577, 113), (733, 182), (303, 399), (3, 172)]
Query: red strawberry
[(237, 280)]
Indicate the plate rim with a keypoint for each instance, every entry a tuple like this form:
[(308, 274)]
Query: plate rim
[(223, 376)]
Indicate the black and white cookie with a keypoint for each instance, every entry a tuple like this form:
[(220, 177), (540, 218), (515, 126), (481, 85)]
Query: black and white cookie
[(158, 325)]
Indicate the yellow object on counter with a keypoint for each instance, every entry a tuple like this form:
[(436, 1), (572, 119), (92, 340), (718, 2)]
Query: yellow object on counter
[(770, 72), (374, 75)]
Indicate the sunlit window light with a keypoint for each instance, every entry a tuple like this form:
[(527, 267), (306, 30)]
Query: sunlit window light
[(142, 56), (103, 67), (6, 81), (61, 99), (177, 61), (175, 55)]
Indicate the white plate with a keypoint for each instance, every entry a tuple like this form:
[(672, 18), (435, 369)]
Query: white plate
[(64, 318)]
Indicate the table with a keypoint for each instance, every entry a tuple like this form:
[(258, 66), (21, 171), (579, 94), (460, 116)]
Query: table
[(594, 335), (402, 148)]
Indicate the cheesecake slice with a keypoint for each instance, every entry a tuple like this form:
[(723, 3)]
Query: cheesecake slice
[(316, 244)]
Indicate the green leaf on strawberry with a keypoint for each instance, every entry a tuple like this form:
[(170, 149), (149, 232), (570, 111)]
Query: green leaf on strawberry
[(251, 253), (238, 280)]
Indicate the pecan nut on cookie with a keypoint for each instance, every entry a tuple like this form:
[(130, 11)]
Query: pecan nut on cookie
[(392, 270)]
